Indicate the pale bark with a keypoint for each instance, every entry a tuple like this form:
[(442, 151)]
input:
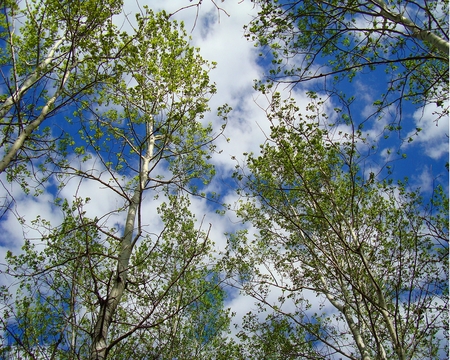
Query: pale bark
[(348, 318), (30, 81), (23, 136), (381, 304), (414, 30), (109, 305), (17, 96)]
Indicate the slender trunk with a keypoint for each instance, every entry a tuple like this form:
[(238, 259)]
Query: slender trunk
[(14, 98), (351, 324), (414, 29), (24, 135), (109, 305), (34, 76), (381, 305)]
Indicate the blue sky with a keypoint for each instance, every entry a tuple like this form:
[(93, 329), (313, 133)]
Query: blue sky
[(220, 37)]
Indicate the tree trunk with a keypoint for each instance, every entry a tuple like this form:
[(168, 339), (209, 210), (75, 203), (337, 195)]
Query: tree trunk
[(18, 94), (414, 29), (109, 305)]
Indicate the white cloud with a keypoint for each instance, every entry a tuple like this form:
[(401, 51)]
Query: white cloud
[(423, 180), (433, 138), (16, 222)]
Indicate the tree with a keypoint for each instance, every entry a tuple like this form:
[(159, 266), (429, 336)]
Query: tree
[(172, 305), (405, 42), (371, 252), (58, 56), (128, 291), (54, 55)]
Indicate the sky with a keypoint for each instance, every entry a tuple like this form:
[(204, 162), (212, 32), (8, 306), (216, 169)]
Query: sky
[(220, 36)]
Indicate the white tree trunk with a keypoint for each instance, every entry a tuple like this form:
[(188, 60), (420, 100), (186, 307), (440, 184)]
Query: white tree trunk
[(33, 77), (414, 30), (109, 305), (348, 318), (18, 94)]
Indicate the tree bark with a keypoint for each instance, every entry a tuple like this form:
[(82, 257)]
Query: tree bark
[(18, 94), (414, 29), (109, 305)]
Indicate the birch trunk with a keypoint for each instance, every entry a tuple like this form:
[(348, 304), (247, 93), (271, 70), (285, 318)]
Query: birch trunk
[(108, 306), (414, 29), (17, 96)]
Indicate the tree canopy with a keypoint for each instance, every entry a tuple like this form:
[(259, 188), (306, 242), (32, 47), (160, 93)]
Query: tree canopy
[(96, 288), (329, 233), (310, 245), (53, 54)]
